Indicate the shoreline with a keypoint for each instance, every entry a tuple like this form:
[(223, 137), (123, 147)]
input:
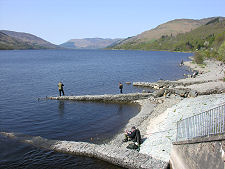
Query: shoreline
[(159, 128), (159, 113), (156, 112)]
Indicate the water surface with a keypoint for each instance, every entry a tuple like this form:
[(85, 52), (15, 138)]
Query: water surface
[(27, 75)]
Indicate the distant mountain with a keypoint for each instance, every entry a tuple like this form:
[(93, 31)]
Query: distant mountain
[(7, 43), (171, 28), (89, 43), (19, 40)]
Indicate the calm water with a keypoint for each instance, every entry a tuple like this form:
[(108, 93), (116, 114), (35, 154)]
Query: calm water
[(28, 75)]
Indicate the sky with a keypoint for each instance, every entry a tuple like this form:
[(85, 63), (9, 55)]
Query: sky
[(58, 21)]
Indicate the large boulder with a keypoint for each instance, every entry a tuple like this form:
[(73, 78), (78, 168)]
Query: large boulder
[(193, 93), (158, 93), (181, 92)]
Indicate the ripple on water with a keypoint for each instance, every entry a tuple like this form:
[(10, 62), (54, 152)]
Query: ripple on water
[(28, 75)]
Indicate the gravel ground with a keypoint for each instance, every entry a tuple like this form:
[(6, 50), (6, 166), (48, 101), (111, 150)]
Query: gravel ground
[(213, 70), (157, 122), (139, 121), (161, 131)]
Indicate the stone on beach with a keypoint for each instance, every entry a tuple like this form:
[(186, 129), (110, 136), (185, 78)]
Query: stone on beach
[(159, 93), (193, 93)]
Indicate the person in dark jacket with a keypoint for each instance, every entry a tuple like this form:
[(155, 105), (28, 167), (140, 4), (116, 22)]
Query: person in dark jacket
[(133, 135), (182, 63), (60, 87), (121, 87)]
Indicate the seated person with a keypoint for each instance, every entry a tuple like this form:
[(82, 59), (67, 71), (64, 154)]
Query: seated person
[(195, 74), (133, 135)]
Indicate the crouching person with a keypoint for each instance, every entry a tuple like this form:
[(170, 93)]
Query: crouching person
[(133, 135)]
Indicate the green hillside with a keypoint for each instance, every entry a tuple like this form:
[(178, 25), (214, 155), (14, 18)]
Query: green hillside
[(171, 28), (207, 40), (214, 50), (203, 37)]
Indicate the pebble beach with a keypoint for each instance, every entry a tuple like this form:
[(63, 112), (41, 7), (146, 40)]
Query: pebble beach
[(158, 116)]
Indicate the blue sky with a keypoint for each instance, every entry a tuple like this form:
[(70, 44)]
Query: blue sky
[(60, 20)]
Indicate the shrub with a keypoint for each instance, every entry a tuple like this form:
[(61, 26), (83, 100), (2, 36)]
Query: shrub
[(220, 38), (221, 52), (198, 58)]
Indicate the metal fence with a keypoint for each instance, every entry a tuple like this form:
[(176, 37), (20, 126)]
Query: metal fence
[(208, 123)]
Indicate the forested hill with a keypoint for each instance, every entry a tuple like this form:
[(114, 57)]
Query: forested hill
[(145, 40), (19, 40), (207, 41), (203, 37)]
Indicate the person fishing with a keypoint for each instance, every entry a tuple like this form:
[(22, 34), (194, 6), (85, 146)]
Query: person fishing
[(182, 63), (121, 87), (60, 87)]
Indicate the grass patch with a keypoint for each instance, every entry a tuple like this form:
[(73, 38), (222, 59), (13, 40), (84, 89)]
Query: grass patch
[(181, 118), (202, 65)]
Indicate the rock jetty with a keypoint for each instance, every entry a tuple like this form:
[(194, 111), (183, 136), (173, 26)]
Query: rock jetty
[(168, 84), (118, 156), (183, 89), (105, 98), (210, 80)]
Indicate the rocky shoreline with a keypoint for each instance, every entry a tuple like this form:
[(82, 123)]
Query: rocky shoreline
[(169, 103), (160, 110), (121, 157), (178, 100)]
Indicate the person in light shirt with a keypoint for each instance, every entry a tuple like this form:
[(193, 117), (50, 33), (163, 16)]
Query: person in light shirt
[(60, 87)]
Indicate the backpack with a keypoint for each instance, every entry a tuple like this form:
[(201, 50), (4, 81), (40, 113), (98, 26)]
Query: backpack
[(132, 146)]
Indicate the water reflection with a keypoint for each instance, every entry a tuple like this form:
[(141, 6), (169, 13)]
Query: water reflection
[(61, 108), (120, 108)]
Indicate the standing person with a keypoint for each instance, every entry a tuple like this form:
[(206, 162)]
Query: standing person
[(60, 86), (182, 63), (121, 87)]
